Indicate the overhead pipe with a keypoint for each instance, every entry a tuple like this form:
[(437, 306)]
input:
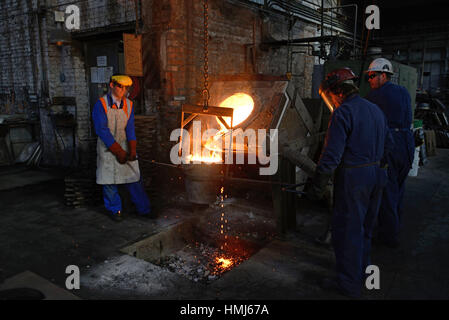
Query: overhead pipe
[(305, 13), (301, 40), (355, 19)]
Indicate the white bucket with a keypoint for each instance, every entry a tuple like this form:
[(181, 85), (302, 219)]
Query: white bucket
[(415, 166)]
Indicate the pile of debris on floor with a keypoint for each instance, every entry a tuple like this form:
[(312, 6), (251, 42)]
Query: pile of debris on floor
[(434, 115)]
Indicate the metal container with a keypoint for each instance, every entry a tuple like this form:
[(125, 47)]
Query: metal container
[(203, 182)]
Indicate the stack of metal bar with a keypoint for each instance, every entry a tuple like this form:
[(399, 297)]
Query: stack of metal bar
[(146, 127), (81, 189)]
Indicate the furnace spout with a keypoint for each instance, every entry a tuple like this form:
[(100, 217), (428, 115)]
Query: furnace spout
[(300, 160)]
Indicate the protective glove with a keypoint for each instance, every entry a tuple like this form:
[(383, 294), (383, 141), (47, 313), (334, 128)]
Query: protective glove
[(317, 189), (132, 156), (118, 152)]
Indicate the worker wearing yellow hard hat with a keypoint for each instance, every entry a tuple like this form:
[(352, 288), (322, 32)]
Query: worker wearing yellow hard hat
[(113, 117), (122, 80)]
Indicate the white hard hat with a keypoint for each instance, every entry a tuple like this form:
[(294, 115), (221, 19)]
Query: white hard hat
[(380, 65)]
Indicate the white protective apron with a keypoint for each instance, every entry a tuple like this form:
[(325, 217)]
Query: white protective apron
[(109, 170)]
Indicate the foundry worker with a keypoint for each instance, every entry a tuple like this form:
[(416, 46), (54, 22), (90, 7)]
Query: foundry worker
[(354, 146), (113, 117), (394, 101)]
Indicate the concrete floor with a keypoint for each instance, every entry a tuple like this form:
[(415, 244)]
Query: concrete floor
[(41, 235)]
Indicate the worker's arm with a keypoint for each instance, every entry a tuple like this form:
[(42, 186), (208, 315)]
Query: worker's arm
[(131, 137), (130, 130), (335, 142), (407, 101), (331, 155), (101, 124), (100, 120), (389, 146)]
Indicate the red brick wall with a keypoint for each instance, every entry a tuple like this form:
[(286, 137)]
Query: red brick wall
[(174, 51)]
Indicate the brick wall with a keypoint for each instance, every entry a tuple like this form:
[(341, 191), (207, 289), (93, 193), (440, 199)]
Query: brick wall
[(29, 64), (18, 47), (173, 55), (69, 62), (175, 30)]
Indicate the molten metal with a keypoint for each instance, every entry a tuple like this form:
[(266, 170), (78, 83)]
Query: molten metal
[(224, 263), (242, 104), (213, 158)]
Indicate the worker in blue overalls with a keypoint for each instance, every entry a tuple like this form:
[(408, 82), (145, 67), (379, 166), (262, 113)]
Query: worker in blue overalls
[(113, 117), (394, 101), (356, 140)]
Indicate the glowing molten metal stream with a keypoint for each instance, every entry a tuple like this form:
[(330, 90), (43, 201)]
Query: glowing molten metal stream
[(243, 105)]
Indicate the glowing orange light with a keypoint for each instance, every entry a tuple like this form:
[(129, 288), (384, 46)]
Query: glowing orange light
[(224, 263), (242, 104), (215, 158)]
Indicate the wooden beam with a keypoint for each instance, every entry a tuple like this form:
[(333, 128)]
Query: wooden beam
[(189, 118), (223, 122), (211, 111)]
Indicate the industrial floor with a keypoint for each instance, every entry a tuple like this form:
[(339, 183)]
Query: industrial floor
[(39, 234)]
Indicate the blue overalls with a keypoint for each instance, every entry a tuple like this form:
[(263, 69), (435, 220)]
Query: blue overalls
[(355, 144), (116, 124), (394, 101)]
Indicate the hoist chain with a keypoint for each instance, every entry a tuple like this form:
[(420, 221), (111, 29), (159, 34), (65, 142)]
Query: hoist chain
[(206, 94)]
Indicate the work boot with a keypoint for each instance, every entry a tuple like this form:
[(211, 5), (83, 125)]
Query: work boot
[(117, 216)]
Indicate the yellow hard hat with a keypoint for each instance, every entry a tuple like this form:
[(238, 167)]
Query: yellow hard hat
[(124, 80)]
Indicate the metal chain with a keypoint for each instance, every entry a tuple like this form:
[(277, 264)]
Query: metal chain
[(206, 94)]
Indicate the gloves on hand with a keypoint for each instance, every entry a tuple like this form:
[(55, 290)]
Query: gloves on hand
[(132, 150), (118, 152), (317, 189)]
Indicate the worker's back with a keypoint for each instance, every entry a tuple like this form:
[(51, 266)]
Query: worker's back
[(357, 134), (394, 101)]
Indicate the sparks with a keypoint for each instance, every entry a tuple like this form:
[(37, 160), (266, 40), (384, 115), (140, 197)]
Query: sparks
[(224, 263)]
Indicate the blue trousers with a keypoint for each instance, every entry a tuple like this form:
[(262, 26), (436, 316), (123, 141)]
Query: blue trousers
[(137, 192), (391, 208), (357, 198)]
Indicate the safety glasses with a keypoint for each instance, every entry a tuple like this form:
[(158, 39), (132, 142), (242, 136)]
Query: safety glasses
[(373, 75), (120, 85)]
